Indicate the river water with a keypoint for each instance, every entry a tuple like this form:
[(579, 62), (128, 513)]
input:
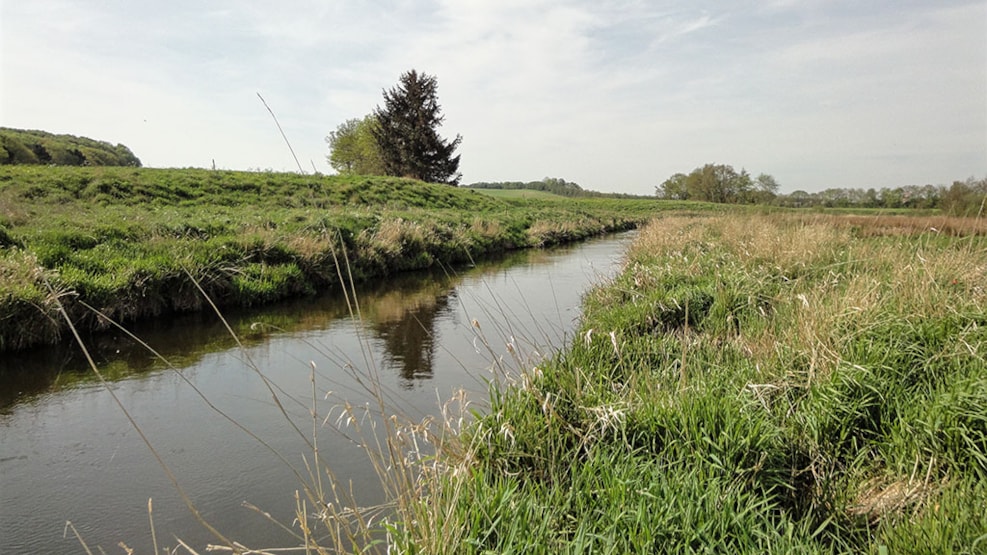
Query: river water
[(69, 453)]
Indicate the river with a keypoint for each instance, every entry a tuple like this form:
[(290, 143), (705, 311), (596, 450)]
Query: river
[(69, 453)]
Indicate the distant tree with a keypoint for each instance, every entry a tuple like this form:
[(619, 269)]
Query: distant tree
[(765, 189), (966, 198), (834, 197), (406, 132), (891, 198), (800, 198), (353, 148), (718, 183), (674, 188), (767, 184), (921, 196), (870, 199), (558, 186)]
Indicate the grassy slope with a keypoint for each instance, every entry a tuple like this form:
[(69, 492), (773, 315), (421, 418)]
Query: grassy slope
[(765, 384), (125, 241)]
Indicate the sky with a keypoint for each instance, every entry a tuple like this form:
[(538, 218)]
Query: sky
[(615, 95)]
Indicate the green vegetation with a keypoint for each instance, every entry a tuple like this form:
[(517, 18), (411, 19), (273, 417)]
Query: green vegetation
[(519, 194), (721, 183), (401, 139), (128, 242), (353, 149), (407, 134), (550, 185), (553, 185), (962, 198), (19, 146), (757, 383)]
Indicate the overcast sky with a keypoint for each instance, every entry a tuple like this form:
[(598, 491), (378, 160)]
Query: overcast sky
[(614, 95)]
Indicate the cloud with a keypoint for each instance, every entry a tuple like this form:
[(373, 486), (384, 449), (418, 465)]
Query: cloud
[(613, 94)]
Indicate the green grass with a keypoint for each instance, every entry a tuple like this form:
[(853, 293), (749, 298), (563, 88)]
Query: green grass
[(768, 383), (125, 241), (753, 381), (520, 194)]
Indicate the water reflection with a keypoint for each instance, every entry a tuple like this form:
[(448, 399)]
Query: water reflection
[(66, 452), (409, 337), (401, 311)]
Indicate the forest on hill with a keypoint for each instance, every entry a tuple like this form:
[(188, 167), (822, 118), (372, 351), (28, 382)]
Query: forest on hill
[(22, 146)]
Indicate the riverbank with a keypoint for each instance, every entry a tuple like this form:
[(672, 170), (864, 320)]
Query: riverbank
[(133, 243), (770, 383), (65, 445)]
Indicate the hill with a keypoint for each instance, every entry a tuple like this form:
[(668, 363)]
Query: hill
[(20, 146)]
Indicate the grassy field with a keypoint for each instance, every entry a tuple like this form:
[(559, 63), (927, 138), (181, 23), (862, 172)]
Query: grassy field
[(519, 194), (772, 383), (132, 243)]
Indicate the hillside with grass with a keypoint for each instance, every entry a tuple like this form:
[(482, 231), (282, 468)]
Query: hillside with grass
[(21, 146), (129, 243)]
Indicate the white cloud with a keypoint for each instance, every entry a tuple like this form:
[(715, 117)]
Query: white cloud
[(613, 94)]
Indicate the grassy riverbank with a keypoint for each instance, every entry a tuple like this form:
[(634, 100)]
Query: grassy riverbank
[(129, 241), (749, 384)]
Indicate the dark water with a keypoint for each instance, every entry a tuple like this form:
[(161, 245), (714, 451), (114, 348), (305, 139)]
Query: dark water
[(69, 453)]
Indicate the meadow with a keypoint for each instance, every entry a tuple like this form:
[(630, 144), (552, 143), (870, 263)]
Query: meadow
[(519, 194), (749, 383), (132, 243)]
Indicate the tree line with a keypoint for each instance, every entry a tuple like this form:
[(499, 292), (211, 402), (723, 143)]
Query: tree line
[(399, 139), (722, 183), (961, 198), (719, 183), (21, 146)]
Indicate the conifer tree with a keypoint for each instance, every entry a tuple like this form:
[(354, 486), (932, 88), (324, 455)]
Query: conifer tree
[(406, 132)]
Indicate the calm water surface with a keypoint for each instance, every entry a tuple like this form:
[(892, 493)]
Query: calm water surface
[(68, 453)]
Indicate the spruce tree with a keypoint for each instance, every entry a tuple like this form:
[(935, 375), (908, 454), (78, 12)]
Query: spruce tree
[(407, 135)]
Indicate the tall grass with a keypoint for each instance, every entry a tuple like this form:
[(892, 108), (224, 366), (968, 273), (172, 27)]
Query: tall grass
[(776, 383)]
